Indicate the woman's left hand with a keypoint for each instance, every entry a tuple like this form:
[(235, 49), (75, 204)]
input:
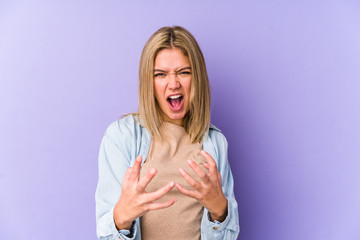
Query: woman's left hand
[(209, 191)]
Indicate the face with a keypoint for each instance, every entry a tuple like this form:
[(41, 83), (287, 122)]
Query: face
[(172, 83)]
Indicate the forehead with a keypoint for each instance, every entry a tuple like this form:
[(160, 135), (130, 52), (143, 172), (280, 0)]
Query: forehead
[(171, 59)]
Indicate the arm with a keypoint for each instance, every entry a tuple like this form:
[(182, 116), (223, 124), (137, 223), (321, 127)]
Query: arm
[(229, 228), (215, 191), (120, 196), (113, 162)]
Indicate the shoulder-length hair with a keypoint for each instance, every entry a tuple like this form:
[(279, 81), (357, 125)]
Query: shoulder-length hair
[(197, 120)]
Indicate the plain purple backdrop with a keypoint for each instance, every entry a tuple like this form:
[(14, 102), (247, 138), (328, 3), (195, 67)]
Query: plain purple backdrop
[(285, 79)]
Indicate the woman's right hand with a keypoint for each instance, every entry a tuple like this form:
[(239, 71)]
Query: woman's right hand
[(134, 201)]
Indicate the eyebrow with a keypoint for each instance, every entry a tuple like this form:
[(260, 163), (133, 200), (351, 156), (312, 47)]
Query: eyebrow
[(181, 69)]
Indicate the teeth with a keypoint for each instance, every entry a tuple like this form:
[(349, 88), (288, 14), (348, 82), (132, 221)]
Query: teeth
[(175, 96)]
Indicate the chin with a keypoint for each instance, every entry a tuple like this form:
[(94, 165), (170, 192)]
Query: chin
[(174, 117)]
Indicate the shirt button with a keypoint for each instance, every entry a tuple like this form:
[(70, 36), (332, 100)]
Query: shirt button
[(215, 228)]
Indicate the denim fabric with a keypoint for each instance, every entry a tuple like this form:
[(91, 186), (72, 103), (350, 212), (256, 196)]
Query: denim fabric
[(123, 141)]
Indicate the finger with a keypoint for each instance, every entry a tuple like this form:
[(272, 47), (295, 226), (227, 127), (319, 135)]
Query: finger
[(206, 165), (201, 173), (208, 158), (128, 174), (220, 178), (136, 168), (187, 192), (217, 170), (161, 205), (160, 192), (192, 182), (144, 181), (213, 170)]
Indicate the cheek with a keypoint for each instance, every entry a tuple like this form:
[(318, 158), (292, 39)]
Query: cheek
[(158, 89), (187, 87)]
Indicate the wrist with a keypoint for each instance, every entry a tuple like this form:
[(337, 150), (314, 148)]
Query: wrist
[(221, 213), (121, 223)]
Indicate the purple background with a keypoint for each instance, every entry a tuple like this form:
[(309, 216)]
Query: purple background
[(285, 79)]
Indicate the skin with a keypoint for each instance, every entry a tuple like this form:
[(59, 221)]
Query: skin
[(134, 201), (209, 191), (172, 75)]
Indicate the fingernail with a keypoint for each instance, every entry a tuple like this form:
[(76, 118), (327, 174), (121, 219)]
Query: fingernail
[(189, 161), (152, 171), (138, 159), (172, 184)]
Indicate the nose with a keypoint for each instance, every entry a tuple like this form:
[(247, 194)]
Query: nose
[(173, 82)]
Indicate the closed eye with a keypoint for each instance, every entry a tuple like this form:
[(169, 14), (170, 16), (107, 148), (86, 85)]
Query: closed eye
[(185, 73), (159, 75)]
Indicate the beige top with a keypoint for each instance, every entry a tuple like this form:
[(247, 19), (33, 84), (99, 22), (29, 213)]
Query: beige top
[(183, 219)]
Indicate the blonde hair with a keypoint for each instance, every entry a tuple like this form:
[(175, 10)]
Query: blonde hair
[(197, 120)]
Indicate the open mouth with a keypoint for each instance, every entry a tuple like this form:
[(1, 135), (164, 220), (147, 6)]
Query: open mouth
[(175, 102)]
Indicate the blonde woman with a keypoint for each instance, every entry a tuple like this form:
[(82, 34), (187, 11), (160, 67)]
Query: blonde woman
[(163, 171)]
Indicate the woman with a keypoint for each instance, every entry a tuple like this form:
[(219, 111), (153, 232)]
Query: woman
[(164, 172)]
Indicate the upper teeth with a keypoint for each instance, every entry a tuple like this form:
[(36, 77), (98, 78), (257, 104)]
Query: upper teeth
[(175, 96)]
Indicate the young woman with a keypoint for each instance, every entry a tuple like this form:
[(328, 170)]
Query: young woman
[(163, 171)]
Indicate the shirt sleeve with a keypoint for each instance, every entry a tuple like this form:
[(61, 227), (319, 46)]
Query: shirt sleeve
[(113, 162), (228, 229)]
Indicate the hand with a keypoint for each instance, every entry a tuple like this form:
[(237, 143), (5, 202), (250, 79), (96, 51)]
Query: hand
[(134, 201), (209, 191)]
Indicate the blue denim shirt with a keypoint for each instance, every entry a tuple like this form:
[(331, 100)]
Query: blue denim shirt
[(123, 141)]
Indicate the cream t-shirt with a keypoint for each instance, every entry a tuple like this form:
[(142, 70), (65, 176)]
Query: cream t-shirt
[(182, 220)]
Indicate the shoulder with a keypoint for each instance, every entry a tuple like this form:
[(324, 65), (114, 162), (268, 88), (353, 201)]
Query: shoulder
[(123, 127), (212, 126), (216, 135), (215, 143), (125, 135)]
